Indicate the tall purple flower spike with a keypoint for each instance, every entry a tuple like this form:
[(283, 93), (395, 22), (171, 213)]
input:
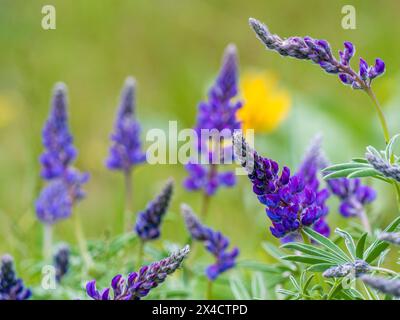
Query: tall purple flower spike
[(319, 52), (215, 242), (11, 287), (149, 221), (309, 170), (125, 151), (217, 113), (138, 284), (65, 182), (290, 202), (58, 142)]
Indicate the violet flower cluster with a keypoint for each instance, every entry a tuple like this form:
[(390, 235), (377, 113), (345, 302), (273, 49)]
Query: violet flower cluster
[(125, 151), (319, 52), (207, 178), (290, 202), (61, 261), (148, 221), (138, 284), (65, 182), (11, 287), (214, 241), (352, 194), (218, 114)]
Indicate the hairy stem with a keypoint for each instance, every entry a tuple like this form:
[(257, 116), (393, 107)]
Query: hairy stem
[(87, 259), (381, 115), (206, 198), (364, 221), (209, 290), (128, 201), (140, 254), (47, 242)]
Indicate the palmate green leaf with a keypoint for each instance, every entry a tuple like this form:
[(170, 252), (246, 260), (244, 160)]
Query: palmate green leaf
[(389, 147), (361, 245), (348, 240), (258, 289), (340, 173), (313, 251), (363, 173), (378, 246), (320, 267), (328, 244), (360, 160), (345, 166), (258, 266), (306, 259), (239, 291), (277, 254)]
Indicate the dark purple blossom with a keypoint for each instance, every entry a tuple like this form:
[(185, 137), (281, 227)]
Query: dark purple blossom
[(148, 221), (125, 151), (61, 261), (353, 195), (319, 52), (290, 202), (207, 178), (138, 284), (214, 241), (11, 287)]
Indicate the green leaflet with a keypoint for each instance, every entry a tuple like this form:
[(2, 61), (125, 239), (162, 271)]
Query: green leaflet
[(378, 246), (328, 244)]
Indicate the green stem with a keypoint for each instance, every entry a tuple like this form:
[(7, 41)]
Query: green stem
[(205, 205), (381, 115), (47, 242), (140, 254), (209, 290), (87, 259), (128, 201), (388, 271), (206, 198), (364, 221)]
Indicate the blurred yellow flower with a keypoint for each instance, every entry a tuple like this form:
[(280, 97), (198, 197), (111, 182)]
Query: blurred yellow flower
[(7, 111), (265, 104)]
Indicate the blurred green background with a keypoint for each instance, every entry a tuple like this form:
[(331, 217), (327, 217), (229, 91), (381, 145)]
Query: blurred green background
[(173, 48)]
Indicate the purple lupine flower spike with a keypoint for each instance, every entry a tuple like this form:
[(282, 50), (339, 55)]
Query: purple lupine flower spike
[(218, 113), (58, 142), (290, 202), (138, 284), (148, 221), (214, 241), (64, 189), (11, 287), (309, 170), (125, 151), (319, 52)]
